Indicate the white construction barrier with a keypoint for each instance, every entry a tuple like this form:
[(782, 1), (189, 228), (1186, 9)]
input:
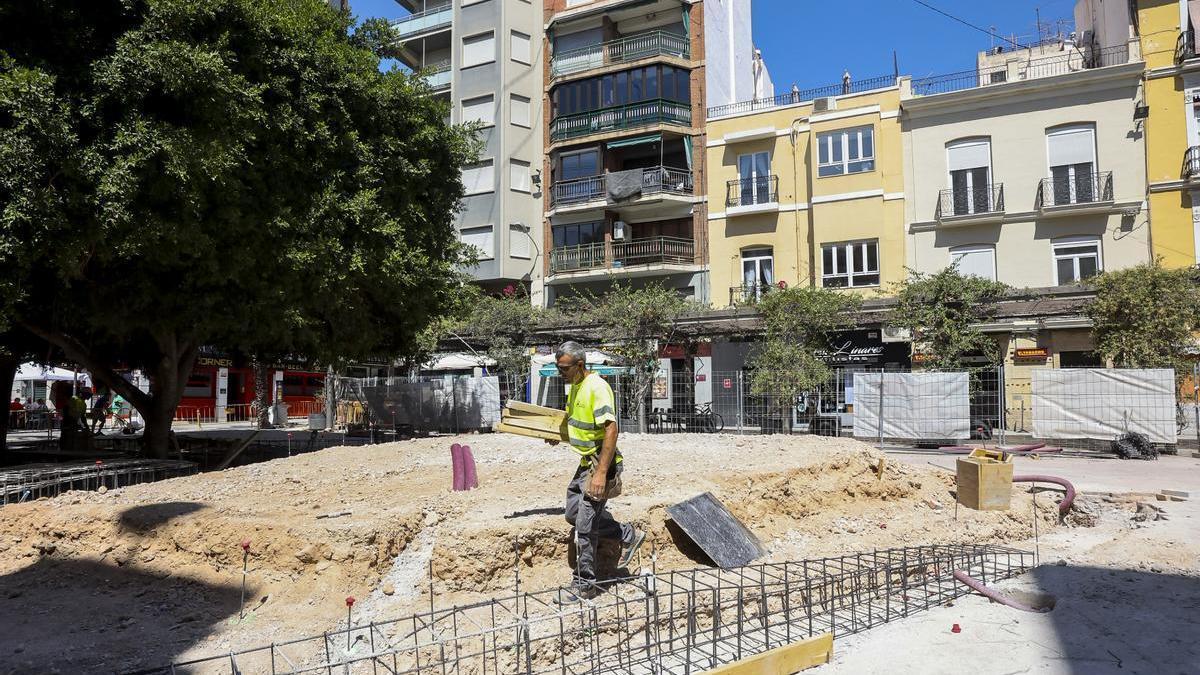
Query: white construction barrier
[(932, 406), (1102, 403)]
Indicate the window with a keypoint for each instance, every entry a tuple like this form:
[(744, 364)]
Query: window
[(478, 49), (1076, 259), (518, 110), (631, 86), (577, 234), (583, 164), (970, 164), (519, 44), (979, 261), (1071, 152), (519, 242), (480, 109), (518, 175), (478, 178), (850, 265), (758, 272), (846, 151), (482, 239), (754, 173)]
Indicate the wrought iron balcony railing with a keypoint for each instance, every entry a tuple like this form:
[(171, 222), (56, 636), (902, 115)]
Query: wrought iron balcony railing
[(977, 200), (801, 95), (658, 111), (421, 22), (655, 179), (748, 293), (1081, 189), (750, 191), (623, 50), (1185, 46), (1048, 66), (1191, 163), (622, 254)]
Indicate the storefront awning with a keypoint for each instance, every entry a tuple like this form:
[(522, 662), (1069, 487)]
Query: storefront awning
[(639, 140)]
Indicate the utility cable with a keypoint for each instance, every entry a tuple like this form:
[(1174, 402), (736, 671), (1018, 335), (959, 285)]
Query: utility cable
[(968, 24)]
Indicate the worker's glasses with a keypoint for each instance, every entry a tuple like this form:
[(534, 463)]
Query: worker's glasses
[(564, 369)]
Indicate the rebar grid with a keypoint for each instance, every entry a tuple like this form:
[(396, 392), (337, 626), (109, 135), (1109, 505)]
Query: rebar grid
[(671, 623), (33, 481)]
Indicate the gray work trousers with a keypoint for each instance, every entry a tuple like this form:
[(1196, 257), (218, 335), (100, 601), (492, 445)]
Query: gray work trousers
[(592, 522)]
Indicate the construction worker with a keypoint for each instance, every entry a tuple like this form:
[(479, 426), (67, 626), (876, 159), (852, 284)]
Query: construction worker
[(592, 429)]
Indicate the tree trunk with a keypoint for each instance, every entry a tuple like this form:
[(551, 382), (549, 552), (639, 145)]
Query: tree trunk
[(8, 371), (260, 393), (166, 388)]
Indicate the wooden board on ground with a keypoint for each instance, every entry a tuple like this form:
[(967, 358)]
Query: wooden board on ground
[(715, 530), (783, 660)]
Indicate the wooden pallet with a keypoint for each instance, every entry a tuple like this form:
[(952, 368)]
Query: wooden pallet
[(534, 421)]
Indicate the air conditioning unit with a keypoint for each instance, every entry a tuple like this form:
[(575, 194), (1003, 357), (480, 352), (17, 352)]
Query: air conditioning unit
[(895, 334), (618, 230), (825, 104)]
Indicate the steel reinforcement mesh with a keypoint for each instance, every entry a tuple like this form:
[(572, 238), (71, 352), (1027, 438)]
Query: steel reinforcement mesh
[(34, 481), (673, 622)]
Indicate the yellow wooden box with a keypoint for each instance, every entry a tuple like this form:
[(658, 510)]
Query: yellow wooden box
[(985, 480)]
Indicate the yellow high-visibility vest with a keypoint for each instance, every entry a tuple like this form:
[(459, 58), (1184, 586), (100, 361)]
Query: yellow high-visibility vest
[(589, 405)]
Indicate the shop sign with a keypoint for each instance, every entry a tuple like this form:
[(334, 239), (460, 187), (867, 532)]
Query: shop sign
[(727, 383), (217, 361), (701, 378), (853, 348), (1032, 354)]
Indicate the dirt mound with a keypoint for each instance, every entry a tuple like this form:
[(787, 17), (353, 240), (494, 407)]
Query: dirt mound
[(157, 568)]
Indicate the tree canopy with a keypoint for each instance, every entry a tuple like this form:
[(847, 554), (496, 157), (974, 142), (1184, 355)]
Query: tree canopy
[(178, 173), (941, 311), (1146, 317)]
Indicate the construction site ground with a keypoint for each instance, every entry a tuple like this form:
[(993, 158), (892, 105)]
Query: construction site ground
[(150, 574)]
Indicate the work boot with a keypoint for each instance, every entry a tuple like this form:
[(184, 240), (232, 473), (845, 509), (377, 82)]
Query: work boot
[(634, 545), (579, 590)]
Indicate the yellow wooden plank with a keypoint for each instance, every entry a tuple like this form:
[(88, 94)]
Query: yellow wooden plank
[(531, 433), (783, 660), (534, 423), (528, 408)]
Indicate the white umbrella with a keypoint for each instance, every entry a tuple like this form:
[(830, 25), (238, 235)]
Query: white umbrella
[(31, 372)]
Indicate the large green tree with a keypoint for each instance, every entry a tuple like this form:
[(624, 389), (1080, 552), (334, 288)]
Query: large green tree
[(176, 173), (798, 322), (1147, 317), (942, 311)]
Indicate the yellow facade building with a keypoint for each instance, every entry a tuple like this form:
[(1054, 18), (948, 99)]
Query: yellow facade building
[(807, 188), (1167, 30)]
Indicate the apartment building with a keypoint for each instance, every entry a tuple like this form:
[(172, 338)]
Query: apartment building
[(807, 188), (626, 85), (1166, 30), (485, 57), (1030, 170)]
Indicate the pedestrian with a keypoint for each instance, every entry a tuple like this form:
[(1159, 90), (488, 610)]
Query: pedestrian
[(100, 403), (592, 433), (16, 413)]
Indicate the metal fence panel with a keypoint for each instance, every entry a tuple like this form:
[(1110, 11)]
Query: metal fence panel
[(1102, 403), (924, 406)]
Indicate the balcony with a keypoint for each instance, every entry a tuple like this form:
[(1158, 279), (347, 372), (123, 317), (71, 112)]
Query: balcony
[(427, 21), (623, 50), (758, 194), (1018, 70), (1191, 164), (748, 294), (437, 76), (1185, 46), (981, 204), (630, 116), (622, 255), (654, 180), (1085, 193)]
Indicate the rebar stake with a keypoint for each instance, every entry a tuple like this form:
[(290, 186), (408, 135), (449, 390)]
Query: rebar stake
[(349, 606), (245, 561)]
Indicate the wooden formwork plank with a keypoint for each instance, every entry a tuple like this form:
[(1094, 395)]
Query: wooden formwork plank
[(783, 660), (531, 433)]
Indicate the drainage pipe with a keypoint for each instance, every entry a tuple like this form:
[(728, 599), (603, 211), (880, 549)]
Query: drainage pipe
[(978, 586), (1065, 504)]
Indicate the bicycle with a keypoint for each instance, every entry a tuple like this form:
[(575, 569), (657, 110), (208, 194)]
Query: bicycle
[(707, 421)]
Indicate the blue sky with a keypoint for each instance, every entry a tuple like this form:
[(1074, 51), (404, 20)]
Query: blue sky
[(810, 42)]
